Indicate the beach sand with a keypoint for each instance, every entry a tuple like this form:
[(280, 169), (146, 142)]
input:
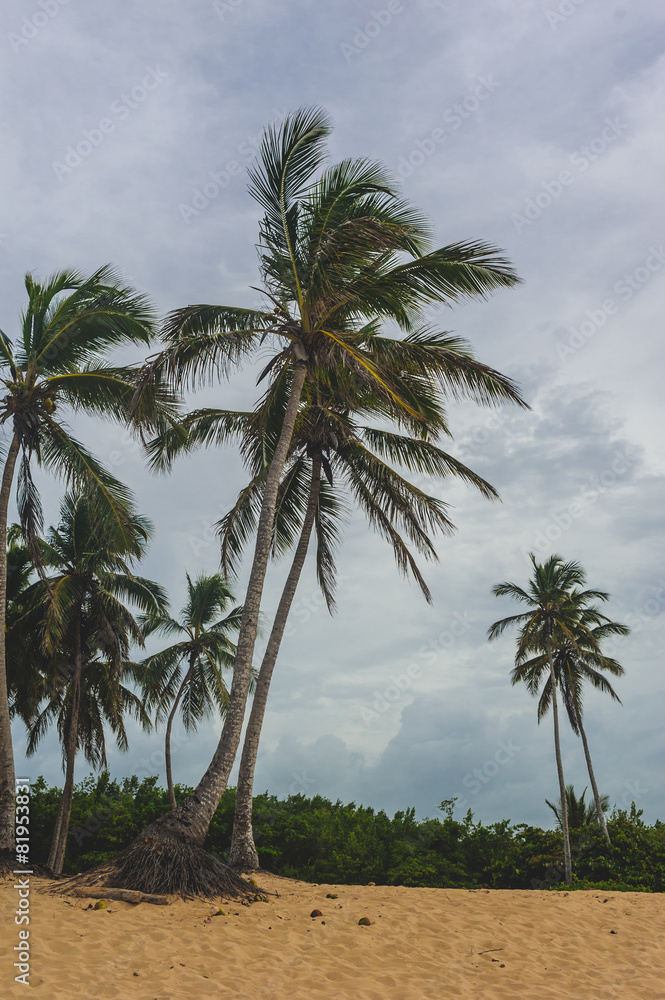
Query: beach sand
[(421, 943)]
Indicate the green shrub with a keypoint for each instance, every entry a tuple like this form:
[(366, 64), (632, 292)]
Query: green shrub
[(317, 840)]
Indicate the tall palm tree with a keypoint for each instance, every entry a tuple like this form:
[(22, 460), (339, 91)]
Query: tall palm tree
[(69, 323), (576, 661), (329, 448), (336, 254), (87, 633), (552, 619), (187, 675)]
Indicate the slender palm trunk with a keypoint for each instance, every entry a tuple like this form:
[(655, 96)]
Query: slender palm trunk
[(190, 820), (567, 856), (243, 852), (61, 832), (169, 726), (7, 783), (592, 777)]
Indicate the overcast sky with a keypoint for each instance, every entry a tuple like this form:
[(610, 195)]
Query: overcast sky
[(534, 124)]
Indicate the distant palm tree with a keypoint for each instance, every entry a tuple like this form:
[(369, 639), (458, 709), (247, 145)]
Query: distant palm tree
[(580, 813), (87, 634), (336, 252), (54, 364), (553, 618), (188, 674), (577, 660)]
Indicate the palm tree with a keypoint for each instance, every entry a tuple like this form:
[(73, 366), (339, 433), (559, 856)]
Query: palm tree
[(187, 674), (87, 633), (580, 813), (69, 323), (553, 619), (576, 661), (27, 663), (336, 254), (328, 438), (97, 699)]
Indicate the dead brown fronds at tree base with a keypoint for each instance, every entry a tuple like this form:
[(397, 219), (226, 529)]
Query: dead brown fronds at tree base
[(165, 866)]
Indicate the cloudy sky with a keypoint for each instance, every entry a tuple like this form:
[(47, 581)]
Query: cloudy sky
[(534, 124)]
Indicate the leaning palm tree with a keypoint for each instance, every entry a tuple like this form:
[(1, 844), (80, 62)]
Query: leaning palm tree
[(87, 634), (330, 450), (354, 458), (336, 254), (552, 618), (575, 661), (70, 322), (187, 675)]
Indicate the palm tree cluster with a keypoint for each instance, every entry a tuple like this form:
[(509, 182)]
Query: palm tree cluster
[(559, 649), (355, 401)]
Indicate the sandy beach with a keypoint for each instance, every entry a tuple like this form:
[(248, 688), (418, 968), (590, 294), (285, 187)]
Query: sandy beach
[(421, 943)]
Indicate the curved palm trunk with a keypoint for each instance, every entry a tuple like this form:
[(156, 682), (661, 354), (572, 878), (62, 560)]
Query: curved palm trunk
[(60, 834), (189, 822), (243, 852), (567, 856), (7, 783), (169, 726), (592, 777)]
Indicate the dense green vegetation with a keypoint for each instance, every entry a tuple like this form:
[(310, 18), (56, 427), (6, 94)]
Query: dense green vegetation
[(321, 841)]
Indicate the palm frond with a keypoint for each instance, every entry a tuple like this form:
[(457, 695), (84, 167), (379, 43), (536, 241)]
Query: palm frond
[(288, 156), (197, 429)]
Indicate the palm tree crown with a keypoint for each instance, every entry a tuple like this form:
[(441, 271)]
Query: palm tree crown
[(187, 675), (580, 813), (69, 323)]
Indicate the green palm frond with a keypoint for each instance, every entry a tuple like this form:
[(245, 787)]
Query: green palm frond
[(67, 458), (64, 331), (204, 341), (425, 458), (188, 673), (331, 514), (288, 157), (419, 515), (379, 520), (199, 428), (99, 391), (237, 526)]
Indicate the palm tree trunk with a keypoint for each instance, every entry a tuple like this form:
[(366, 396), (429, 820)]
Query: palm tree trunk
[(567, 856), (7, 783), (169, 725), (243, 852), (592, 777), (190, 821), (61, 832)]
